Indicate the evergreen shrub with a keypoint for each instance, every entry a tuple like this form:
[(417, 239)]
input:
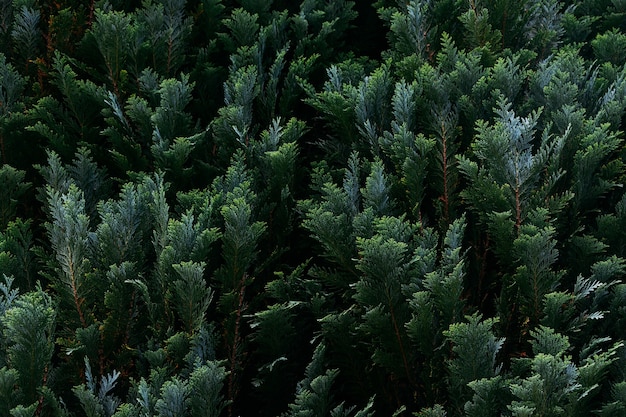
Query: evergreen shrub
[(312, 208)]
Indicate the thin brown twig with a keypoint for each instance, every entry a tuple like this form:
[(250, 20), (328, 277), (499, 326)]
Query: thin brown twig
[(233, 355)]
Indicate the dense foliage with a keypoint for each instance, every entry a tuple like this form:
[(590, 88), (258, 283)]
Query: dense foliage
[(312, 208)]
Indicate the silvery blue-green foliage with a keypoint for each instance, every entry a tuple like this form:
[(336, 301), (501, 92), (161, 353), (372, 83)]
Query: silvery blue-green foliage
[(69, 236), (116, 240), (544, 28), (506, 149), (372, 105), (235, 123), (196, 394), (410, 29), (173, 397), (592, 299), (128, 229), (95, 397), (25, 33)]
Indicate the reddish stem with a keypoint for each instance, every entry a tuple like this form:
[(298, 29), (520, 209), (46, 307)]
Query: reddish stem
[(233, 356), (518, 209), (40, 401), (400, 344), (77, 300), (444, 157), (91, 13)]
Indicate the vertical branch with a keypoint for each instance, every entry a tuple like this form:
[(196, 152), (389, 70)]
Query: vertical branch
[(41, 398), (48, 36), (518, 210), (113, 79), (518, 196), (446, 118), (444, 157), (536, 298), (91, 13), (233, 390), (481, 250), (78, 301), (518, 206), (400, 343)]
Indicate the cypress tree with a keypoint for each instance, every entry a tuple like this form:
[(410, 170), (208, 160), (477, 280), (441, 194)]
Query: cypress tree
[(314, 208)]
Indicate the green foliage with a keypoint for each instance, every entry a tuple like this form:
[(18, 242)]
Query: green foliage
[(12, 85), (191, 296), (479, 29), (95, 398), (506, 150), (222, 208), (313, 393), (69, 235), (113, 32), (610, 47), (18, 255), (475, 348), (205, 397), (13, 189), (28, 328)]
